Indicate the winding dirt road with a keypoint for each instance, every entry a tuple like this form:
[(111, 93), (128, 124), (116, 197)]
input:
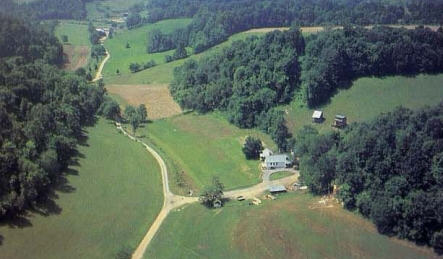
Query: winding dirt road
[(99, 75), (172, 201)]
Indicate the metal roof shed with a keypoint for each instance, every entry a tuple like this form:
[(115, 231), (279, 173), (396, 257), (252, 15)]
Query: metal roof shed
[(277, 189)]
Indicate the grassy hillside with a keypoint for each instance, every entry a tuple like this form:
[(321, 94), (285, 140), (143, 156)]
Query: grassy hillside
[(122, 57), (293, 226), (203, 146), (369, 97), (161, 74), (77, 33), (111, 198)]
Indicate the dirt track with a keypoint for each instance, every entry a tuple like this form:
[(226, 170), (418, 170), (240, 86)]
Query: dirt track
[(172, 201)]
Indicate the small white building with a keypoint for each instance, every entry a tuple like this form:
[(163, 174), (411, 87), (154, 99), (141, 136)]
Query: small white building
[(277, 161), (317, 116), (265, 154)]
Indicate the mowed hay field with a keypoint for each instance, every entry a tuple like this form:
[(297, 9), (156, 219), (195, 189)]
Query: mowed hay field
[(122, 57), (368, 97), (77, 50), (203, 146), (116, 193), (157, 99), (293, 226)]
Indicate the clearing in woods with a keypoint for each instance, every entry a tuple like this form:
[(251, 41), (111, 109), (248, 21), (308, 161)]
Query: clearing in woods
[(283, 228), (77, 50), (368, 97), (110, 198), (157, 99)]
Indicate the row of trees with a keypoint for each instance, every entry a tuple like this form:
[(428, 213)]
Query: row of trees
[(214, 21), (390, 170), (247, 80), (334, 58), (136, 67), (42, 112)]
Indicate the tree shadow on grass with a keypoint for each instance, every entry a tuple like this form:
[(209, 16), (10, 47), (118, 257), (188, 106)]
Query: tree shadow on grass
[(1, 240)]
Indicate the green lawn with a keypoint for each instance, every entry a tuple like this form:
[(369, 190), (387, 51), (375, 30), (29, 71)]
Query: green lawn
[(204, 146), (288, 227), (77, 33), (280, 175), (122, 57), (163, 73), (116, 195), (368, 97)]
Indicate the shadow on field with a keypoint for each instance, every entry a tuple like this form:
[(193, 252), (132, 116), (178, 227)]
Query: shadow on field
[(46, 205)]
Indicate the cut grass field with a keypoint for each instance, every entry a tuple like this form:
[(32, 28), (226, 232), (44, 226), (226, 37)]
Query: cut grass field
[(368, 97), (116, 193), (122, 57), (288, 227), (203, 146), (156, 98), (279, 175)]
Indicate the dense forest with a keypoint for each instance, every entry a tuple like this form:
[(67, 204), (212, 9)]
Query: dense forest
[(336, 57), (214, 21), (47, 9), (42, 111), (247, 80), (253, 76), (390, 170)]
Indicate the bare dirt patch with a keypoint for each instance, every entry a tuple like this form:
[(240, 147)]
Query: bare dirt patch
[(157, 98), (75, 56)]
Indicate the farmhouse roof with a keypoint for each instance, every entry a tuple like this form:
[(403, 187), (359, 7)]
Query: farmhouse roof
[(283, 158), (317, 115), (340, 117), (277, 188)]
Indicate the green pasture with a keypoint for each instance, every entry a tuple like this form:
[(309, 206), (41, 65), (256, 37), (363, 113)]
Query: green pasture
[(122, 57), (370, 96), (109, 8), (108, 202), (293, 226), (77, 33), (161, 74), (203, 146)]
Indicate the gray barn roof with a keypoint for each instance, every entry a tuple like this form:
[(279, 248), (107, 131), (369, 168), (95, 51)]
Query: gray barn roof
[(277, 188), (277, 159)]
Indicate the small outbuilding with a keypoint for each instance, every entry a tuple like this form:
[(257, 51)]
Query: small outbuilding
[(277, 162), (265, 154), (277, 189), (317, 117), (340, 121)]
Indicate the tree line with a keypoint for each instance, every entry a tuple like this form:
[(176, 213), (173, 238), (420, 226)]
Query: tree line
[(42, 112), (336, 57), (247, 80), (214, 21), (390, 170), (47, 9)]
